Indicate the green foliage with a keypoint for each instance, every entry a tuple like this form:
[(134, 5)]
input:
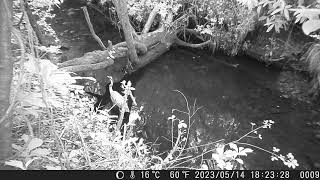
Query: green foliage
[(29, 153), (141, 9), (309, 19), (276, 14), (312, 56), (227, 22), (42, 10), (75, 136), (56, 84)]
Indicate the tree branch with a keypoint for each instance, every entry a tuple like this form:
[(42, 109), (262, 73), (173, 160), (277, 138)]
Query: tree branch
[(151, 17), (98, 10), (86, 15), (200, 45), (122, 12)]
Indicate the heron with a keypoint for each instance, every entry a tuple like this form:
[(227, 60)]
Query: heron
[(116, 98)]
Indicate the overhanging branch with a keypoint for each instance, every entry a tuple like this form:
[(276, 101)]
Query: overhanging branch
[(200, 45), (151, 17), (86, 15)]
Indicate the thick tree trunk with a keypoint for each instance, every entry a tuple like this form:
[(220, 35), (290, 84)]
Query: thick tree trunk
[(6, 66), (122, 11)]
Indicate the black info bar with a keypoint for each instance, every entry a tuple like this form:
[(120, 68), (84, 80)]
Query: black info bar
[(167, 174)]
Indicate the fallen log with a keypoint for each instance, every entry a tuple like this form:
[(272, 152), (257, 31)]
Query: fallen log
[(149, 46), (114, 60)]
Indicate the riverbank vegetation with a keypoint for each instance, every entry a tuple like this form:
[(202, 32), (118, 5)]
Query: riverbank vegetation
[(52, 119)]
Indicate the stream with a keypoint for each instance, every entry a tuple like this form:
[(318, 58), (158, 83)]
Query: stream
[(230, 97)]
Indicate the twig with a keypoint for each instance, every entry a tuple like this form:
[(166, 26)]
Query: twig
[(125, 128), (21, 19)]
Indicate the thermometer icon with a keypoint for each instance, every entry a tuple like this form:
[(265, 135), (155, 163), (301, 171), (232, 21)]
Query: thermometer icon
[(132, 176)]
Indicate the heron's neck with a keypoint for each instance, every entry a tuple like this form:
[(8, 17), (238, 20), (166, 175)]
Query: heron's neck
[(110, 86)]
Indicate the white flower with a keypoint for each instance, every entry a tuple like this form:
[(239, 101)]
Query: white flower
[(182, 125), (172, 117), (281, 157), (291, 163), (275, 149), (267, 123), (274, 158), (290, 156), (228, 166), (204, 167)]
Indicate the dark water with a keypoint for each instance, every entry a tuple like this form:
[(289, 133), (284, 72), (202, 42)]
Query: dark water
[(244, 94), (248, 93)]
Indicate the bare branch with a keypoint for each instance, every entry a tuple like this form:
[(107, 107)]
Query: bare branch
[(21, 19), (86, 14), (200, 45), (98, 10), (151, 17)]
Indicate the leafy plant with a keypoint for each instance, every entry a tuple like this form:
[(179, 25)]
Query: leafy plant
[(30, 152), (312, 56)]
